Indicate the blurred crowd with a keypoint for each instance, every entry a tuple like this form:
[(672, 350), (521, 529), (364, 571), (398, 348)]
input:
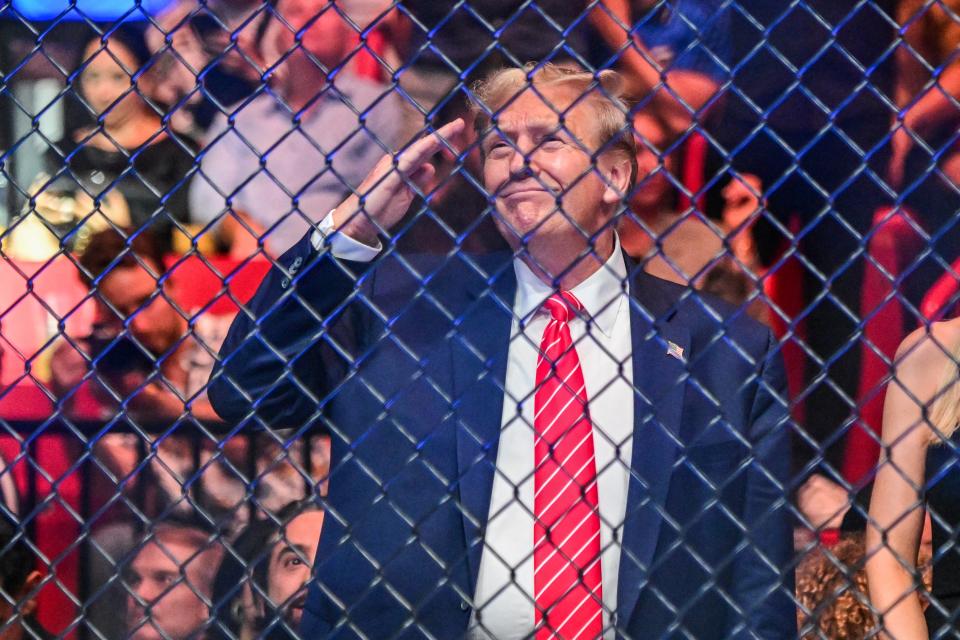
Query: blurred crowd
[(226, 128)]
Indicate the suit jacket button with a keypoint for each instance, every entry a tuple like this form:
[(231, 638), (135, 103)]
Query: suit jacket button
[(464, 606)]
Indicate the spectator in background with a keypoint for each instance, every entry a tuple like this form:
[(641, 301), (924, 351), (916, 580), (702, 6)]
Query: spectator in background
[(832, 591), (283, 160), (148, 351), (155, 358), (170, 581), (288, 571), (688, 247), (386, 29), (208, 55), (263, 587), (19, 583), (816, 143), (128, 160), (672, 53), (146, 354), (831, 576), (927, 87), (448, 39), (211, 53), (234, 608), (924, 163)]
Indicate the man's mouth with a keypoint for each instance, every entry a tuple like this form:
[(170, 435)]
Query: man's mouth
[(522, 190), (298, 602)]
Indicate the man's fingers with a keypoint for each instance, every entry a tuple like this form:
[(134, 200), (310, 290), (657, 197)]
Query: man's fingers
[(423, 149), (387, 190), (423, 176)]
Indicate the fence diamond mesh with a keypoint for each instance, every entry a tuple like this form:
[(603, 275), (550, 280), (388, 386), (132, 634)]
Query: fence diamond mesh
[(483, 319)]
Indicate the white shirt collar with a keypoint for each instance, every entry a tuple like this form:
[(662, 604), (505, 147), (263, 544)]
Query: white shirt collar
[(600, 294)]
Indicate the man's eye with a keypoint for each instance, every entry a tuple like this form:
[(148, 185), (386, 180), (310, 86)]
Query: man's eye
[(294, 561)]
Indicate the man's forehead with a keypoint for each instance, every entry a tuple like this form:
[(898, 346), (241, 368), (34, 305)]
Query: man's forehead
[(539, 103), (156, 557), (131, 278), (542, 109), (525, 120)]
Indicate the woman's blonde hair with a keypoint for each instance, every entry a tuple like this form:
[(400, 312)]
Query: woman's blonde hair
[(944, 409), (603, 91)]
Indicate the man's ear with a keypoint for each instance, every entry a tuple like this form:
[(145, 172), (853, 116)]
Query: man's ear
[(614, 168), (27, 597)]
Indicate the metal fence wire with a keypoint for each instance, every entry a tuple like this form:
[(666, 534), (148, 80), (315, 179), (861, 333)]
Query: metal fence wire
[(480, 319)]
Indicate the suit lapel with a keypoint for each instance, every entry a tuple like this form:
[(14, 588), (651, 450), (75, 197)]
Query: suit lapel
[(479, 358), (661, 348)]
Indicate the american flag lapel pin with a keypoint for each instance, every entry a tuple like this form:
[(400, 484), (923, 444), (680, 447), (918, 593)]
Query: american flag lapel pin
[(674, 350)]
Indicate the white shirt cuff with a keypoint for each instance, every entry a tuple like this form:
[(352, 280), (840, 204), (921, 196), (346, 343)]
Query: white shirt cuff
[(341, 245)]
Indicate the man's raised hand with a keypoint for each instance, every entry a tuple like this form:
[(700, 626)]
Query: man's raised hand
[(385, 194)]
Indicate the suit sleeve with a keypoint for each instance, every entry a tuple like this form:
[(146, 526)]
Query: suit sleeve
[(763, 573), (270, 364)]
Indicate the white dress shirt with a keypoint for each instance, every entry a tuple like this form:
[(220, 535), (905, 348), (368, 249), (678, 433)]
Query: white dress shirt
[(504, 598), (504, 605)]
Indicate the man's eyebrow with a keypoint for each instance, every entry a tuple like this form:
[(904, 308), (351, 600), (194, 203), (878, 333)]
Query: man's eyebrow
[(299, 549), (546, 123), (162, 574), (537, 125)]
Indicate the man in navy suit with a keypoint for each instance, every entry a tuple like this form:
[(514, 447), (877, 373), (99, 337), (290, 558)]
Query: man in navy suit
[(425, 373)]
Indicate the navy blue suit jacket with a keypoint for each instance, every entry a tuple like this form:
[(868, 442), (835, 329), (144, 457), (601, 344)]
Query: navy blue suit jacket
[(403, 361)]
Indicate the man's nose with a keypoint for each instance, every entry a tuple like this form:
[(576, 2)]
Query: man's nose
[(139, 322), (304, 577), (522, 161), (141, 598)]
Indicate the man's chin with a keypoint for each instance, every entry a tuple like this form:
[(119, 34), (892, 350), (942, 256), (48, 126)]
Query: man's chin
[(522, 225), (146, 631)]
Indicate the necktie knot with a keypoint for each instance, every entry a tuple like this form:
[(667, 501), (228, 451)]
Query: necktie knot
[(562, 305)]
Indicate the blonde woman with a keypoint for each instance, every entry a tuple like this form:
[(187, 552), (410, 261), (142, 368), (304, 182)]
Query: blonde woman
[(918, 471)]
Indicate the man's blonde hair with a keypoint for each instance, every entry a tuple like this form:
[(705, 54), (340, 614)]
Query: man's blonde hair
[(603, 92)]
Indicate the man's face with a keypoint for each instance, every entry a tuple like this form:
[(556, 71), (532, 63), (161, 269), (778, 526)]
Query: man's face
[(155, 323), (290, 562), (546, 185), (323, 31), (163, 603)]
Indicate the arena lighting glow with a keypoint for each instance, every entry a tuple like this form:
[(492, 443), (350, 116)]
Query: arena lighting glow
[(98, 10)]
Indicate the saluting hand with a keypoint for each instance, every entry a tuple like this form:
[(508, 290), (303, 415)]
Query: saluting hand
[(384, 196)]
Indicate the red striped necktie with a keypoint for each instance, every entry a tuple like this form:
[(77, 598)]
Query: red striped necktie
[(566, 538)]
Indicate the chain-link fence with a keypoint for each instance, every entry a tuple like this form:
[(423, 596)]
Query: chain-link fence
[(484, 319)]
